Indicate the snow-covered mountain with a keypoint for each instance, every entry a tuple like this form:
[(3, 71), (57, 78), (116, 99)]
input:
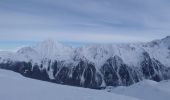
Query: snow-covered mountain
[(93, 66)]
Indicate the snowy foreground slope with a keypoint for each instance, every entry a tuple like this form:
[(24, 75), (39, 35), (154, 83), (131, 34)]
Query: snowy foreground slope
[(94, 65), (145, 90), (13, 86)]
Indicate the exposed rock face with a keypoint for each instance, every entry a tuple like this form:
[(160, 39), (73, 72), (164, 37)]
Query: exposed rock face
[(114, 72), (93, 66), (153, 69), (117, 73)]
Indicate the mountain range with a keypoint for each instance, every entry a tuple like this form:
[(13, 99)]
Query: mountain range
[(93, 65)]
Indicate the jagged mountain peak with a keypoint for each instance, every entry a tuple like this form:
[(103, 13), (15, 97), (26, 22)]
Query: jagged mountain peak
[(25, 50), (158, 43), (44, 45), (52, 49), (49, 44), (47, 49), (166, 41), (166, 38)]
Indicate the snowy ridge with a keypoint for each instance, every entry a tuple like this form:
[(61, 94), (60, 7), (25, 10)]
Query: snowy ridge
[(53, 50), (95, 65), (145, 90), (47, 49), (97, 54), (160, 50)]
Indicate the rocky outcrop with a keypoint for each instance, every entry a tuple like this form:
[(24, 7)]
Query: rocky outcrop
[(153, 69), (117, 73)]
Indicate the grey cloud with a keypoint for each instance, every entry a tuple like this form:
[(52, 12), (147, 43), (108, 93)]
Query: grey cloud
[(116, 17)]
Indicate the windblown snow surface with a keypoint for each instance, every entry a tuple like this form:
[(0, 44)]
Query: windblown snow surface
[(13, 86), (145, 90)]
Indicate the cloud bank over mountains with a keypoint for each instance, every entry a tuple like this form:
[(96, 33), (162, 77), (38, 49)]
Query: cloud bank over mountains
[(80, 21)]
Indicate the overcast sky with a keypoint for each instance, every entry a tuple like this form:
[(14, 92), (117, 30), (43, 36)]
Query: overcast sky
[(23, 22)]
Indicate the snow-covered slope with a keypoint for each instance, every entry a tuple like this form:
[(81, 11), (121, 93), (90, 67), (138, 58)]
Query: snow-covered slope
[(48, 49), (145, 90), (131, 54), (15, 87), (53, 50), (160, 50), (94, 65)]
